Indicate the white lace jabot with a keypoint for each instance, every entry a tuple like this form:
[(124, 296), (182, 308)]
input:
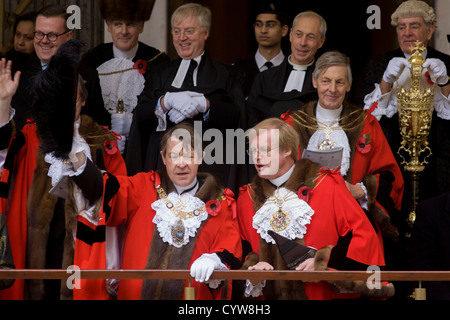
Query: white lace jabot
[(126, 85), (339, 137), (166, 220), (298, 211)]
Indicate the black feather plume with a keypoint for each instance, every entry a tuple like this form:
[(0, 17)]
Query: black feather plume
[(55, 96)]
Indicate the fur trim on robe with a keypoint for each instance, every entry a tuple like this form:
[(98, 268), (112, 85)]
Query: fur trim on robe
[(355, 286), (353, 135), (262, 189), (41, 208), (164, 256)]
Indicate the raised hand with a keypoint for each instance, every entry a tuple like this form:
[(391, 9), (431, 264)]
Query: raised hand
[(8, 85), (8, 88)]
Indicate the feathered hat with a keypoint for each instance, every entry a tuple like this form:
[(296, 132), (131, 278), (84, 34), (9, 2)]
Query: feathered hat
[(127, 10), (55, 97)]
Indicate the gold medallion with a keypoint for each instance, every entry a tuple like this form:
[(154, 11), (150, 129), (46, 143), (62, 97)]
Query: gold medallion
[(178, 231), (280, 220), (327, 145)]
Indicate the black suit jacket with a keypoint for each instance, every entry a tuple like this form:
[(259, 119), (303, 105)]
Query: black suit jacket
[(430, 243), (267, 98), (215, 80), (249, 70)]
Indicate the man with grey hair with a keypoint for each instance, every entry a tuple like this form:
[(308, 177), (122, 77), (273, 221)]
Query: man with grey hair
[(194, 87), (289, 85), (368, 165), (414, 21)]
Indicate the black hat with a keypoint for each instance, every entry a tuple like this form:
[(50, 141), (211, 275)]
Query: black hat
[(55, 94), (293, 253), (127, 10)]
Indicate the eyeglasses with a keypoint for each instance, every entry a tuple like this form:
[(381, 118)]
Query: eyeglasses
[(50, 36), (187, 32), (262, 151)]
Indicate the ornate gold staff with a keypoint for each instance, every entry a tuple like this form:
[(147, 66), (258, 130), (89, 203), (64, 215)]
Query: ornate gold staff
[(415, 111)]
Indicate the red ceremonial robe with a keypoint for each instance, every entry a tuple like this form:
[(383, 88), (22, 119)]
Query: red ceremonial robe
[(336, 213), (127, 200), (371, 160), (19, 178), (22, 156), (90, 253)]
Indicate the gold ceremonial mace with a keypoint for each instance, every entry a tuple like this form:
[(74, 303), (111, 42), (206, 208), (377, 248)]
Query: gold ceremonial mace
[(415, 111)]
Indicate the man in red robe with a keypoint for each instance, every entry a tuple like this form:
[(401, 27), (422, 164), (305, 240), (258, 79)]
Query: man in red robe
[(31, 198), (368, 164), (301, 201), (176, 218)]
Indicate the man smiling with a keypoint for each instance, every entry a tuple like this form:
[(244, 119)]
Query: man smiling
[(121, 66), (50, 32), (413, 21), (368, 165), (193, 87), (176, 218), (286, 86)]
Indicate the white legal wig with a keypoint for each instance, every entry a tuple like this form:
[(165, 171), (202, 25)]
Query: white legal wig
[(412, 9)]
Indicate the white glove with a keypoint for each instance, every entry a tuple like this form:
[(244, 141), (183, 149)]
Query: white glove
[(181, 101), (437, 70), (395, 69), (203, 267), (202, 105), (121, 123), (176, 116)]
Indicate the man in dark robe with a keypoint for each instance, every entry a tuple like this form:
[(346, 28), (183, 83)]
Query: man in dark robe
[(271, 26), (194, 87), (119, 68), (414, 21), (290, 84)]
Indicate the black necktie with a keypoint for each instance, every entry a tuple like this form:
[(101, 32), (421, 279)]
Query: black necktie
[(189, 79), (268, 64)]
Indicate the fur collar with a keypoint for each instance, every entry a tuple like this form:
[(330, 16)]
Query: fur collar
[(262, 189), (41, 209), (356, 121), (164, 256)]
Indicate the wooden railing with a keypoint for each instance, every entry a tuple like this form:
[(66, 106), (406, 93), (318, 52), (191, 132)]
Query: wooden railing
[(410, 276), (229, 275)]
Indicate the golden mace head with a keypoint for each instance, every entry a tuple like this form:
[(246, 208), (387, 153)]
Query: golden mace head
[(415, 110)]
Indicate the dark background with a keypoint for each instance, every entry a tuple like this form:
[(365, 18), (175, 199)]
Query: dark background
[(232, 35)]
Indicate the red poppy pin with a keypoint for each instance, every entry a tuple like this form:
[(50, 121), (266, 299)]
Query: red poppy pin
[(141, 66), (111, 146), (213, 207), (363, 144), (427, 76), (304, 193)]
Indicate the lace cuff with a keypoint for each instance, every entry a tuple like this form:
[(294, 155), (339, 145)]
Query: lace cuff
[(363, 201), (12, 113), (162, 118), (387, 103), (254, 290), (442, 105), (60, 168), (215, 283)]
